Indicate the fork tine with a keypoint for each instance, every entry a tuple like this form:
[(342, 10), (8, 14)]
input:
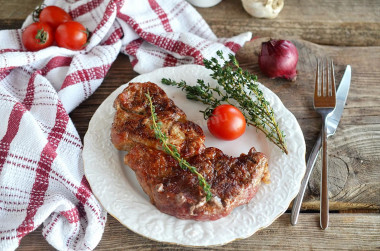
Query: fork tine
[(322, 79), (316, 88)]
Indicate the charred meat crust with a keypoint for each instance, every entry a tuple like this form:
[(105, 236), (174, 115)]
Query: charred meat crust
[(234, 181), (132, 123)]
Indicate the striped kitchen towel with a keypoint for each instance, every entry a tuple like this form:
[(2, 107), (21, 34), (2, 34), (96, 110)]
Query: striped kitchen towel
[(41, 169)]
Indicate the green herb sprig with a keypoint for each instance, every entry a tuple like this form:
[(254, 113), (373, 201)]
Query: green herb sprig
[(172, 150), (234, 85)]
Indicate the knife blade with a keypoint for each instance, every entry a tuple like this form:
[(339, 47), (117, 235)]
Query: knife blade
[(332, 125)]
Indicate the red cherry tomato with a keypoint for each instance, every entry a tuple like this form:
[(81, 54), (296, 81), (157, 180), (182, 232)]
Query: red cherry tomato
[(226, 122), (54, 16), (71, 35), (37, 36)]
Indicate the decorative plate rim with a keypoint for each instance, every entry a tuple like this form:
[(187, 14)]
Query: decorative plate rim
[(116, 187)]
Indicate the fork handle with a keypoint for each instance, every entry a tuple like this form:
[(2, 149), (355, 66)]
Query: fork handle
[(324, 211)]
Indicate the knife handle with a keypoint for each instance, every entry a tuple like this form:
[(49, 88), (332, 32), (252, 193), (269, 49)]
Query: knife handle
[(309, 168)]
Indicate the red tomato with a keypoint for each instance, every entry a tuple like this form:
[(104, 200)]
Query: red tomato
[(226, 122), (54, 16), (37, 36), (71, 35)]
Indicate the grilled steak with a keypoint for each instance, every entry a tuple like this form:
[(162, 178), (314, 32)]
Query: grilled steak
[(132, 123), (234, 181)]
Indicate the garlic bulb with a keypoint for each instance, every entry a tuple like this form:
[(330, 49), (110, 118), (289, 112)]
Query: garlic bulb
[(263, 8)]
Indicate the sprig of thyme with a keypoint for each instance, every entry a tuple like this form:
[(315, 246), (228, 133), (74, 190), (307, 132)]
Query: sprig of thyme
[(172, 150), (237, 86)]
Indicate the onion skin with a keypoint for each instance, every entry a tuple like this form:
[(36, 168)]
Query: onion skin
[(278, 59)]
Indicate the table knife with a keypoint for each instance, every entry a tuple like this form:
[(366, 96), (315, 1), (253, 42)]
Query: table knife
[(332, 124)]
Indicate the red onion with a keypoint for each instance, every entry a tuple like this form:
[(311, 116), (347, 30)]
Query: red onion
[(278, 58)]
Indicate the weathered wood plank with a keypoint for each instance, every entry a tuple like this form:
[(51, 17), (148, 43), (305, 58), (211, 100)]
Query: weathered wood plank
[(9, 24), (17, 9), (341, 23), (355, 231), (353, 170)]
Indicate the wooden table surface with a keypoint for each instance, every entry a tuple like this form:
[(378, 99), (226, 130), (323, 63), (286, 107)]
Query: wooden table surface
[(347, 31)]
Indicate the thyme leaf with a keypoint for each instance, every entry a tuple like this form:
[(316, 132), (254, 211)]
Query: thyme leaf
[(173, 151), (234, 85)]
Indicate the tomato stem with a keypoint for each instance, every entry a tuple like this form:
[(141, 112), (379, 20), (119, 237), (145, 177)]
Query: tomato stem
[(37, 12), (42, 36), (88, 35)]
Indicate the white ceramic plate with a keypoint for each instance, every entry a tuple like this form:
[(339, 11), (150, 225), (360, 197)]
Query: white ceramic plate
[(204, 3), (116, 187)]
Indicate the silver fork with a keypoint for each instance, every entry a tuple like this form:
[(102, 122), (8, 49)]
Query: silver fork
[(324, 104)]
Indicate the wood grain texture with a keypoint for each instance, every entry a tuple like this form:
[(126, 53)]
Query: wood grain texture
[(355, 231), (17, 9), (340, 23)]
